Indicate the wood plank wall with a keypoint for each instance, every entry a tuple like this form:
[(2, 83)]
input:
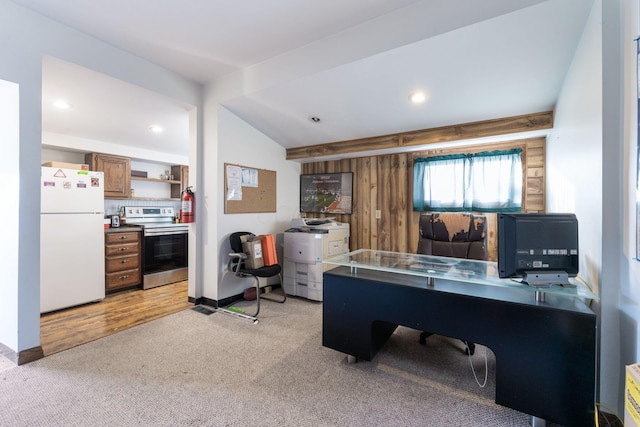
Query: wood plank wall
[(385, 183)]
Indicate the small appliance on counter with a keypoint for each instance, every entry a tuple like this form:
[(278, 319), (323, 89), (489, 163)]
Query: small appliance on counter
[(115, 221)]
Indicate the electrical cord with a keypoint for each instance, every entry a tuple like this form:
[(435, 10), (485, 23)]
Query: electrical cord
[(588, 287), (597, 420), (486, 375), (598, 405), (585, 283), (486, 369)]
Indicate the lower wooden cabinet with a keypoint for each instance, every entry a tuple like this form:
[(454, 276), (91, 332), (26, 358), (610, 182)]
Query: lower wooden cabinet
[(122, 259)]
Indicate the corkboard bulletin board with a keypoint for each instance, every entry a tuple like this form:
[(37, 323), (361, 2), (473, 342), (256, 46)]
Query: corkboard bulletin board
[(255, 199)]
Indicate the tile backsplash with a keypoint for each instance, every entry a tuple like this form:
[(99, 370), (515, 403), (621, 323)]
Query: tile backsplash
[(114, 206)]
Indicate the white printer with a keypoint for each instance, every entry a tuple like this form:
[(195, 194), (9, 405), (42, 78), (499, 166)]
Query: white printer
[(306, 245)]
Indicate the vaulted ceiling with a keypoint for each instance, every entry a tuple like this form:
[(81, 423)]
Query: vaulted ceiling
[(352, 64)]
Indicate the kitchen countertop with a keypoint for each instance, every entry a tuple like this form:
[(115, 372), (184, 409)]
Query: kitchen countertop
[(123, 228)]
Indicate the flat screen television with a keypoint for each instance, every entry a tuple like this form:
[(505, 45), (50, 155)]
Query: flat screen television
[(327, 193), (542, 249)]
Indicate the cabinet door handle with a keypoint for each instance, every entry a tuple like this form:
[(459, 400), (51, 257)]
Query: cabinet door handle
[(124, 277), (122, 249), (124, 261), (123, 237)]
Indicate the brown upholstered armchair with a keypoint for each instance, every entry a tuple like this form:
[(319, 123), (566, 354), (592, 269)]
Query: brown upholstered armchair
[(453, 234)]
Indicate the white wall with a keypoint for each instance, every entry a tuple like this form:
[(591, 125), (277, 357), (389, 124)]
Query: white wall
[(574, 148), (239, 143), (618, 328), (85, 145), (54, 155), (229, 139), (591, 158), (575, 172), (27, 38), (10, 188), (629, 291)]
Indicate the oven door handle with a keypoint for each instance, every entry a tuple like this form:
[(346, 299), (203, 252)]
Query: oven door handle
[(164, 233)]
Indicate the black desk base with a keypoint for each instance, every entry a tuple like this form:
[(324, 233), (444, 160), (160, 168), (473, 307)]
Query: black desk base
[(545, 352)]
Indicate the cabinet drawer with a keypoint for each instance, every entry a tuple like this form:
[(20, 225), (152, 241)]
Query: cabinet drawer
[(122, 249), (129, 236), (122, 278), (122, 263)]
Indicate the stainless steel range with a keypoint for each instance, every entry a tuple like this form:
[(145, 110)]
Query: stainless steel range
[(164, 245)]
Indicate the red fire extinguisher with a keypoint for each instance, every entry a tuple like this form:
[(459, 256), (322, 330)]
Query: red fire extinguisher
[(188, 199)]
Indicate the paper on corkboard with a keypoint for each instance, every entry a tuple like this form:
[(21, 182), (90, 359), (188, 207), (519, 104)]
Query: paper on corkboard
[(257, 195)]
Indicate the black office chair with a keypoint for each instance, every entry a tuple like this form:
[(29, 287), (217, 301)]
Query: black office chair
[(453, 234), (237, 266)]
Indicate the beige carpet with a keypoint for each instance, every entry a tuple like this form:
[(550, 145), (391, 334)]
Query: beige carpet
[(6, 364), (190, 369)]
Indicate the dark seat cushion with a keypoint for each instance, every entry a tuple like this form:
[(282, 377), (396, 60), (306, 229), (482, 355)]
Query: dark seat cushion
[(267, 271)]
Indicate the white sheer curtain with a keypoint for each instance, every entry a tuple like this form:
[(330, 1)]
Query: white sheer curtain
[(482, 182)]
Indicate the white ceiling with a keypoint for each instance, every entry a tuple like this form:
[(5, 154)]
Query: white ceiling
[(110, 110), (350, 63)]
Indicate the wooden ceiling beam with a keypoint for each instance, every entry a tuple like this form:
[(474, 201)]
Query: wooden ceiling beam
[(482, 129)]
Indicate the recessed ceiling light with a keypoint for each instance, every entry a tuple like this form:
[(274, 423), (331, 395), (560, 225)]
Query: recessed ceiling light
[(155, 129), (61, 104), (417, 97)]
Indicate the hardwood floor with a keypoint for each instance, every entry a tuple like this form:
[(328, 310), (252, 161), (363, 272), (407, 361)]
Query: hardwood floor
[(68, 328)]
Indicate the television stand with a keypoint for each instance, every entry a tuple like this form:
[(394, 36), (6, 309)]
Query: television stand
[(546, 279)]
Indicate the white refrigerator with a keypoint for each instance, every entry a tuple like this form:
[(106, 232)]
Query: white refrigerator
[(71, 238)]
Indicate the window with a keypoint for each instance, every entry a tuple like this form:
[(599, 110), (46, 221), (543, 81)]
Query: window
[(490, 181)]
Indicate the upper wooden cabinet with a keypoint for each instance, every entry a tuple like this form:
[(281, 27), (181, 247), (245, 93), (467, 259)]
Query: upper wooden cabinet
[(180, 173), (117, 174)]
